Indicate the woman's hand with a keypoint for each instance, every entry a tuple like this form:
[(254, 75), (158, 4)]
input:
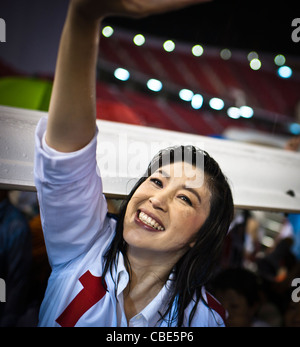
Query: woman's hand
[(94, 9)]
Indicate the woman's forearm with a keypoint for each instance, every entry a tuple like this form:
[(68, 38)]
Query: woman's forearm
[(72, 110)]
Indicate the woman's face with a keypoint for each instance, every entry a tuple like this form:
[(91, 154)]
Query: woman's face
[(167, 210)]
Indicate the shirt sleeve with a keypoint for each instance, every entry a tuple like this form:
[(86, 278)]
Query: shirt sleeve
[(72, 205)]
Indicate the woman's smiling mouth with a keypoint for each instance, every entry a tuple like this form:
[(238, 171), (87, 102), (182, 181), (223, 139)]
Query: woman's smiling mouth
[(148, 221)]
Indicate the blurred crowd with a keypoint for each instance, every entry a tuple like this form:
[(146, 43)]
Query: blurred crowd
[(24, 263), (260, 288)]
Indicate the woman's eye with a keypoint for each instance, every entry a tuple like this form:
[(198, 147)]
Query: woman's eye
[(157, 182), (186, 199)]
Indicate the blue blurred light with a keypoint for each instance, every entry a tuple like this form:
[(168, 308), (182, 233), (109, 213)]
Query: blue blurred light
[(285, 72), (295, 128), (197, 101), (122, 74), (154, 85), (216, 104), (186, 94), (246, 111)]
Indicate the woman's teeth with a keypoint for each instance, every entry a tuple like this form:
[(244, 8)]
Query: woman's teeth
[(149, 221)]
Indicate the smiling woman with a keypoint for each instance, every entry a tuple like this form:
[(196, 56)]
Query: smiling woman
[(150, 266), (174, 224)]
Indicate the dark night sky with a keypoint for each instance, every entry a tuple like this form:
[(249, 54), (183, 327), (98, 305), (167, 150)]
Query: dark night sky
[(34, 28), (264, 26)]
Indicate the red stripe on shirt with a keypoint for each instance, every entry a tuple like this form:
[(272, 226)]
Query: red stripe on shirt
[(92, 292), (216, 306)]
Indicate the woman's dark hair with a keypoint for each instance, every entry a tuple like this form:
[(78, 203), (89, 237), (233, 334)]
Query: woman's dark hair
[(196, 266)]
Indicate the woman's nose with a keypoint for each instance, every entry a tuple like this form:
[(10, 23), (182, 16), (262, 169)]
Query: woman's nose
[(159, 202)]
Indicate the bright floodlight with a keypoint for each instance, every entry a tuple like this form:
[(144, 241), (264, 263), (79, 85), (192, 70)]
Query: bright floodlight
[(121, 74), (246, 111), (255, 64), (285, 72), (107, 31), (169, 46), (139, 39), (197, 101), (216, 104), (197, 50), (154, 85), (233, 112), (186, 95)]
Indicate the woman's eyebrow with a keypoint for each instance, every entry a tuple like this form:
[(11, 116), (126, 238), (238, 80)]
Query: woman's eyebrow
[(192, 190), (163, 173)]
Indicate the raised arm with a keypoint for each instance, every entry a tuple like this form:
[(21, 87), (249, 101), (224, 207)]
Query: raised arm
[(72, 111)]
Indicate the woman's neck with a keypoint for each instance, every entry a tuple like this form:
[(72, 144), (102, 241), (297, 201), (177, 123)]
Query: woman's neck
[(148, 274), (154, 267)]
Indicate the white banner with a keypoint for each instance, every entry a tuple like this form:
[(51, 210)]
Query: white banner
[(261, 178)]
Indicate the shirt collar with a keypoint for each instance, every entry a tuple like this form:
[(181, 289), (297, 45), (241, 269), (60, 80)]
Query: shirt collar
[(156, 308), (153, 311), (122, 276)]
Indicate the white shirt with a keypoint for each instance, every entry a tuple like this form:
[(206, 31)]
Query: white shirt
[(77, 232)]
